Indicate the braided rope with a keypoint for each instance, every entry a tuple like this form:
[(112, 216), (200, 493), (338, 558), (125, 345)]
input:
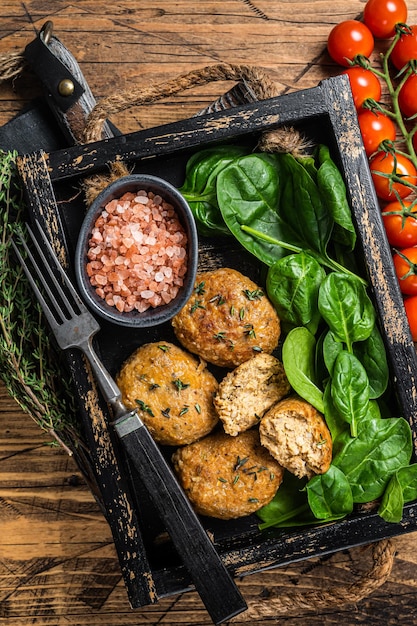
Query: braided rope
[(262, 86), (383, 555), (260, 83), (11, 66)]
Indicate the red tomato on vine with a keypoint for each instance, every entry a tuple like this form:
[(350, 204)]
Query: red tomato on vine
[(364, 85), (401, 228), (407, 97), (381, 16), (383, 166), (348, 39), (405, 263), (410, 305), (405, 49), (375, 128)]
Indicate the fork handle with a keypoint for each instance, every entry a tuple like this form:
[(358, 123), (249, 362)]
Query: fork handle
[(106, 382), (211, 579)]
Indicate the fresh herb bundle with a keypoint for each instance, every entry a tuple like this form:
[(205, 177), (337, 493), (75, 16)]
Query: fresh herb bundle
[(30, 367)]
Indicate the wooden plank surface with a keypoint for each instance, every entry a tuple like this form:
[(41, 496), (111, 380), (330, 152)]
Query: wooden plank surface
[(57, 560)]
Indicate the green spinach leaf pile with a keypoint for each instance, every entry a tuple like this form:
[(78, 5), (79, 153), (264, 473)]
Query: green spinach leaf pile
[(292, 213)]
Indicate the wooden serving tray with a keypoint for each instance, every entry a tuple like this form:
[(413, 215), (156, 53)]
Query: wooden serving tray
[(325, 114)]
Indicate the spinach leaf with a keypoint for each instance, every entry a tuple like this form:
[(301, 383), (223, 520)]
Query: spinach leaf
[(334, 420), (298, 356), (350, 389), (248, 193), (392, 504), (289, 507), (322, 375), (199, 187), (309, 164), (408, 480), (401, 488), (346, 308), (371, 353), (300, 197), (368, 460), (329, 495), (331, 348), (333, 194), (261, 198), (374, 411), (292, 285)]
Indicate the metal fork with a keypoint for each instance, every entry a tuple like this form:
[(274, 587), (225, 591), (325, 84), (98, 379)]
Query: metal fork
[(74, 327)]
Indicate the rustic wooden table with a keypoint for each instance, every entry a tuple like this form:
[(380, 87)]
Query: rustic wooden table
[(57, 560)]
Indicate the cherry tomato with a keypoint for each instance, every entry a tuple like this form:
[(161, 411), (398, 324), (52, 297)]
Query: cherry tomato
[(407, 98), (364, 84), (410, 305), (406, 269), (401, 230), (375, 128), (384, 163), (381, 16), (348, 39), (405, 49)]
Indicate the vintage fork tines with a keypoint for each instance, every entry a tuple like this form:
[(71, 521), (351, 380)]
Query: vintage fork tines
[(61, 307)]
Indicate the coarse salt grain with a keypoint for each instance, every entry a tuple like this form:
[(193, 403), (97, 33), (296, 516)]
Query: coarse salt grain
[(126, 273)]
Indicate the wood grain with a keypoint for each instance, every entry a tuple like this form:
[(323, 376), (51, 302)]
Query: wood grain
[(58, 565)]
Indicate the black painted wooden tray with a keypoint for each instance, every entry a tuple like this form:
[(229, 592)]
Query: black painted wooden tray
[(324, 114)]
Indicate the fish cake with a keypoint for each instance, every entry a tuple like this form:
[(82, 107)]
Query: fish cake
[(296, 435), (248, 391), (227, 477), (228, 319), (172, 391)]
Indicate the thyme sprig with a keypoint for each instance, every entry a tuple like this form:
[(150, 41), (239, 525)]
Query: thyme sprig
[(30, 368)]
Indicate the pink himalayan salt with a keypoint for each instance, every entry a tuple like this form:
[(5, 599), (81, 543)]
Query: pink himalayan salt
[(137, 255)]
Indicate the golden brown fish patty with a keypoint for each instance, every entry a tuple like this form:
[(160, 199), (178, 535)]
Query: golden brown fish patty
[(228, 319), (172, 391), (228, 477), (248, 391), (297, 436)]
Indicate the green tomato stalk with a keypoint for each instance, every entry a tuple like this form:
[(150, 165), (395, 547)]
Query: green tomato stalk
[(393, 91)]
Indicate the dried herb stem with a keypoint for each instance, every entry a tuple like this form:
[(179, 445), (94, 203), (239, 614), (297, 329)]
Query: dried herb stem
[(30, 368)]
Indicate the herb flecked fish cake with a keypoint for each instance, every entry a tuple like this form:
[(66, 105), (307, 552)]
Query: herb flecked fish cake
[(248, 391), (228, 477), (297, 436), (172, 391), (228, 319)]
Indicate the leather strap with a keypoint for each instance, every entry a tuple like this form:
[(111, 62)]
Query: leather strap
[(52, 72), (66, 91)]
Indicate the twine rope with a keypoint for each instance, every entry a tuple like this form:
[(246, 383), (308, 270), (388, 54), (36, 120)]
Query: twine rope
[(11, 66), (383, 552), (383, 555), (262, 86)]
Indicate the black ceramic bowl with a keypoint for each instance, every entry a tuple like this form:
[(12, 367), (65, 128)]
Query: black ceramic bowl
[(152, 316)]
